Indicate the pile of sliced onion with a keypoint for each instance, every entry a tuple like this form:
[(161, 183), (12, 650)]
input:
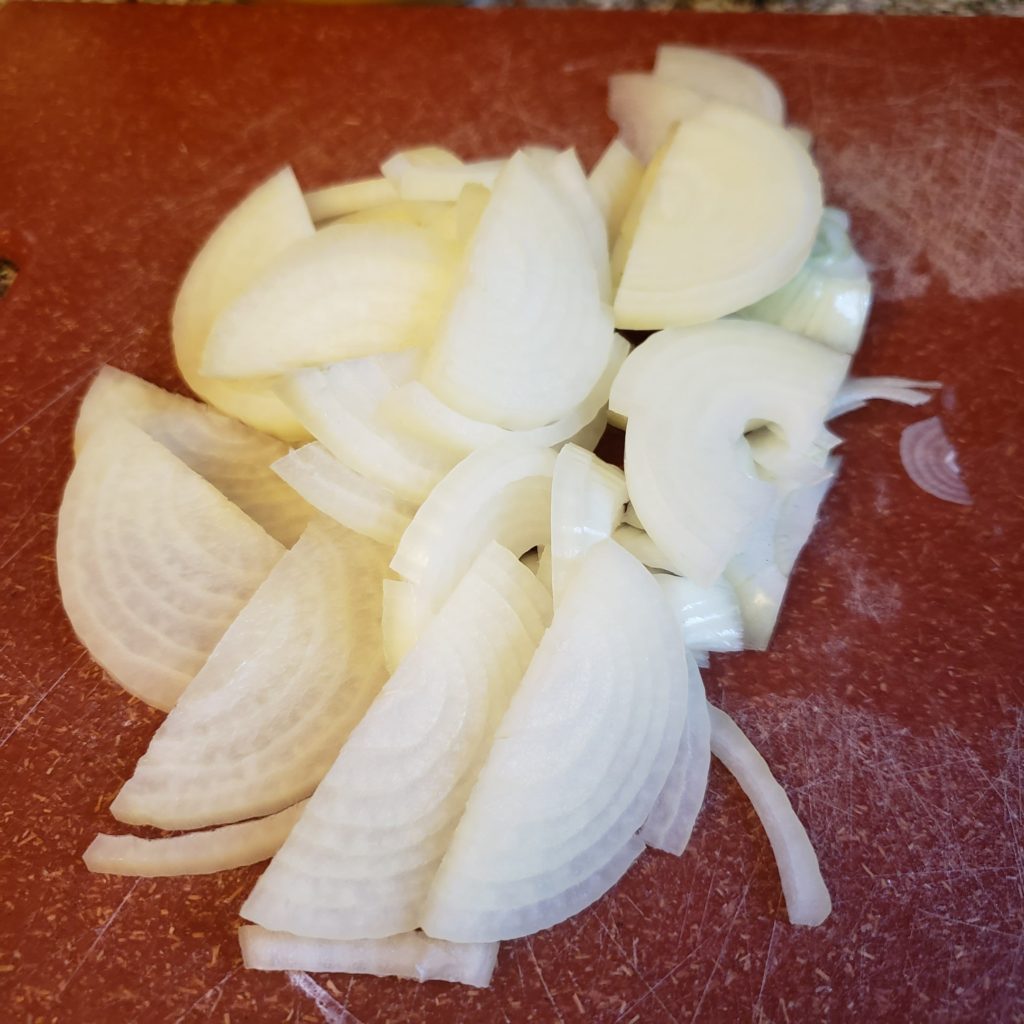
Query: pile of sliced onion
[(441, 662)]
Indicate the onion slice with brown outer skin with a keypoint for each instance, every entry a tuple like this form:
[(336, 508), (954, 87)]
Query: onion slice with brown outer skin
[(197, 853), (807, 898), (410, 955), (154, 562), (265, 717), (232, 456)]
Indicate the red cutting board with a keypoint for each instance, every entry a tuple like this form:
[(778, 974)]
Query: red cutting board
[(891, 703)]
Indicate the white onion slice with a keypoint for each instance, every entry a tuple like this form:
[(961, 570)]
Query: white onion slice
[(856, 392), (722, 77), (500, 493), (351, 290), (410, 955), (197, 853), (930, 461), (527, 337), (268, 222), (830, 297), (670, 824), (614, 181), (233, 457), (639, 544), (760, 571), (646, 109), (588, 499), (349, 197), (580, 758), (266, 715), (360, 861), (339, 405), (153, 561), (690, 395), (726, 214), (807, 898), (362, 505), (709, 617), (413, 407)]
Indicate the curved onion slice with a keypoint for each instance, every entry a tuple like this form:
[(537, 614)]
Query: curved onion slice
[(233, 457), (670, 824), (856, 392), (410, 955), (339, 406), (646, 109), (351, 290), (584, 750), (588, 499), (830, 297), (264, 225), (760, 572), (641, 547), (153, 561), (721, 77), (198, 853), (500, 493), (690, 395), (415, 408), (266, 715), (527, 336), (360, 861), (362, 505), (614, 181), (349, 197), (726, 214), (930, 461), (709, 617), (807, 898), (404, 618)]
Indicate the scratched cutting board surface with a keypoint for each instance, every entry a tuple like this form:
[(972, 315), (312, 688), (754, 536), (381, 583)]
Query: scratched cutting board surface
[(890, 705)]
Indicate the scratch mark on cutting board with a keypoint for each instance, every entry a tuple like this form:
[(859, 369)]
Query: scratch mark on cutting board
[(39, 700), (217, 988), (544, 984), (330, 1009), (100, 936)]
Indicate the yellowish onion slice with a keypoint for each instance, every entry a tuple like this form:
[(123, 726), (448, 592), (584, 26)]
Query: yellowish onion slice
[(807, 898), (437, 175), (614, 180), (351, 290), (709, 617), (405, 616), (264, 225), (335, 201), (719, 76), (340, 404), (197, 853), (646, 109), (830, 297), (588, 500), (726, 214), (361, 859), (670, 824), (362, 505), (264, 719), (413, 407), (439, 218), (233, 457), (760, 572), (153, 562), (581, 757), (527, 337), (639, 544), (689, 396), (501, 493), (411, 955)]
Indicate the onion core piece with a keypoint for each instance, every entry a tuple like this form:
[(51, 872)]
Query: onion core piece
[(930, 461), (410, 955), (807, 898), (198, 853)]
